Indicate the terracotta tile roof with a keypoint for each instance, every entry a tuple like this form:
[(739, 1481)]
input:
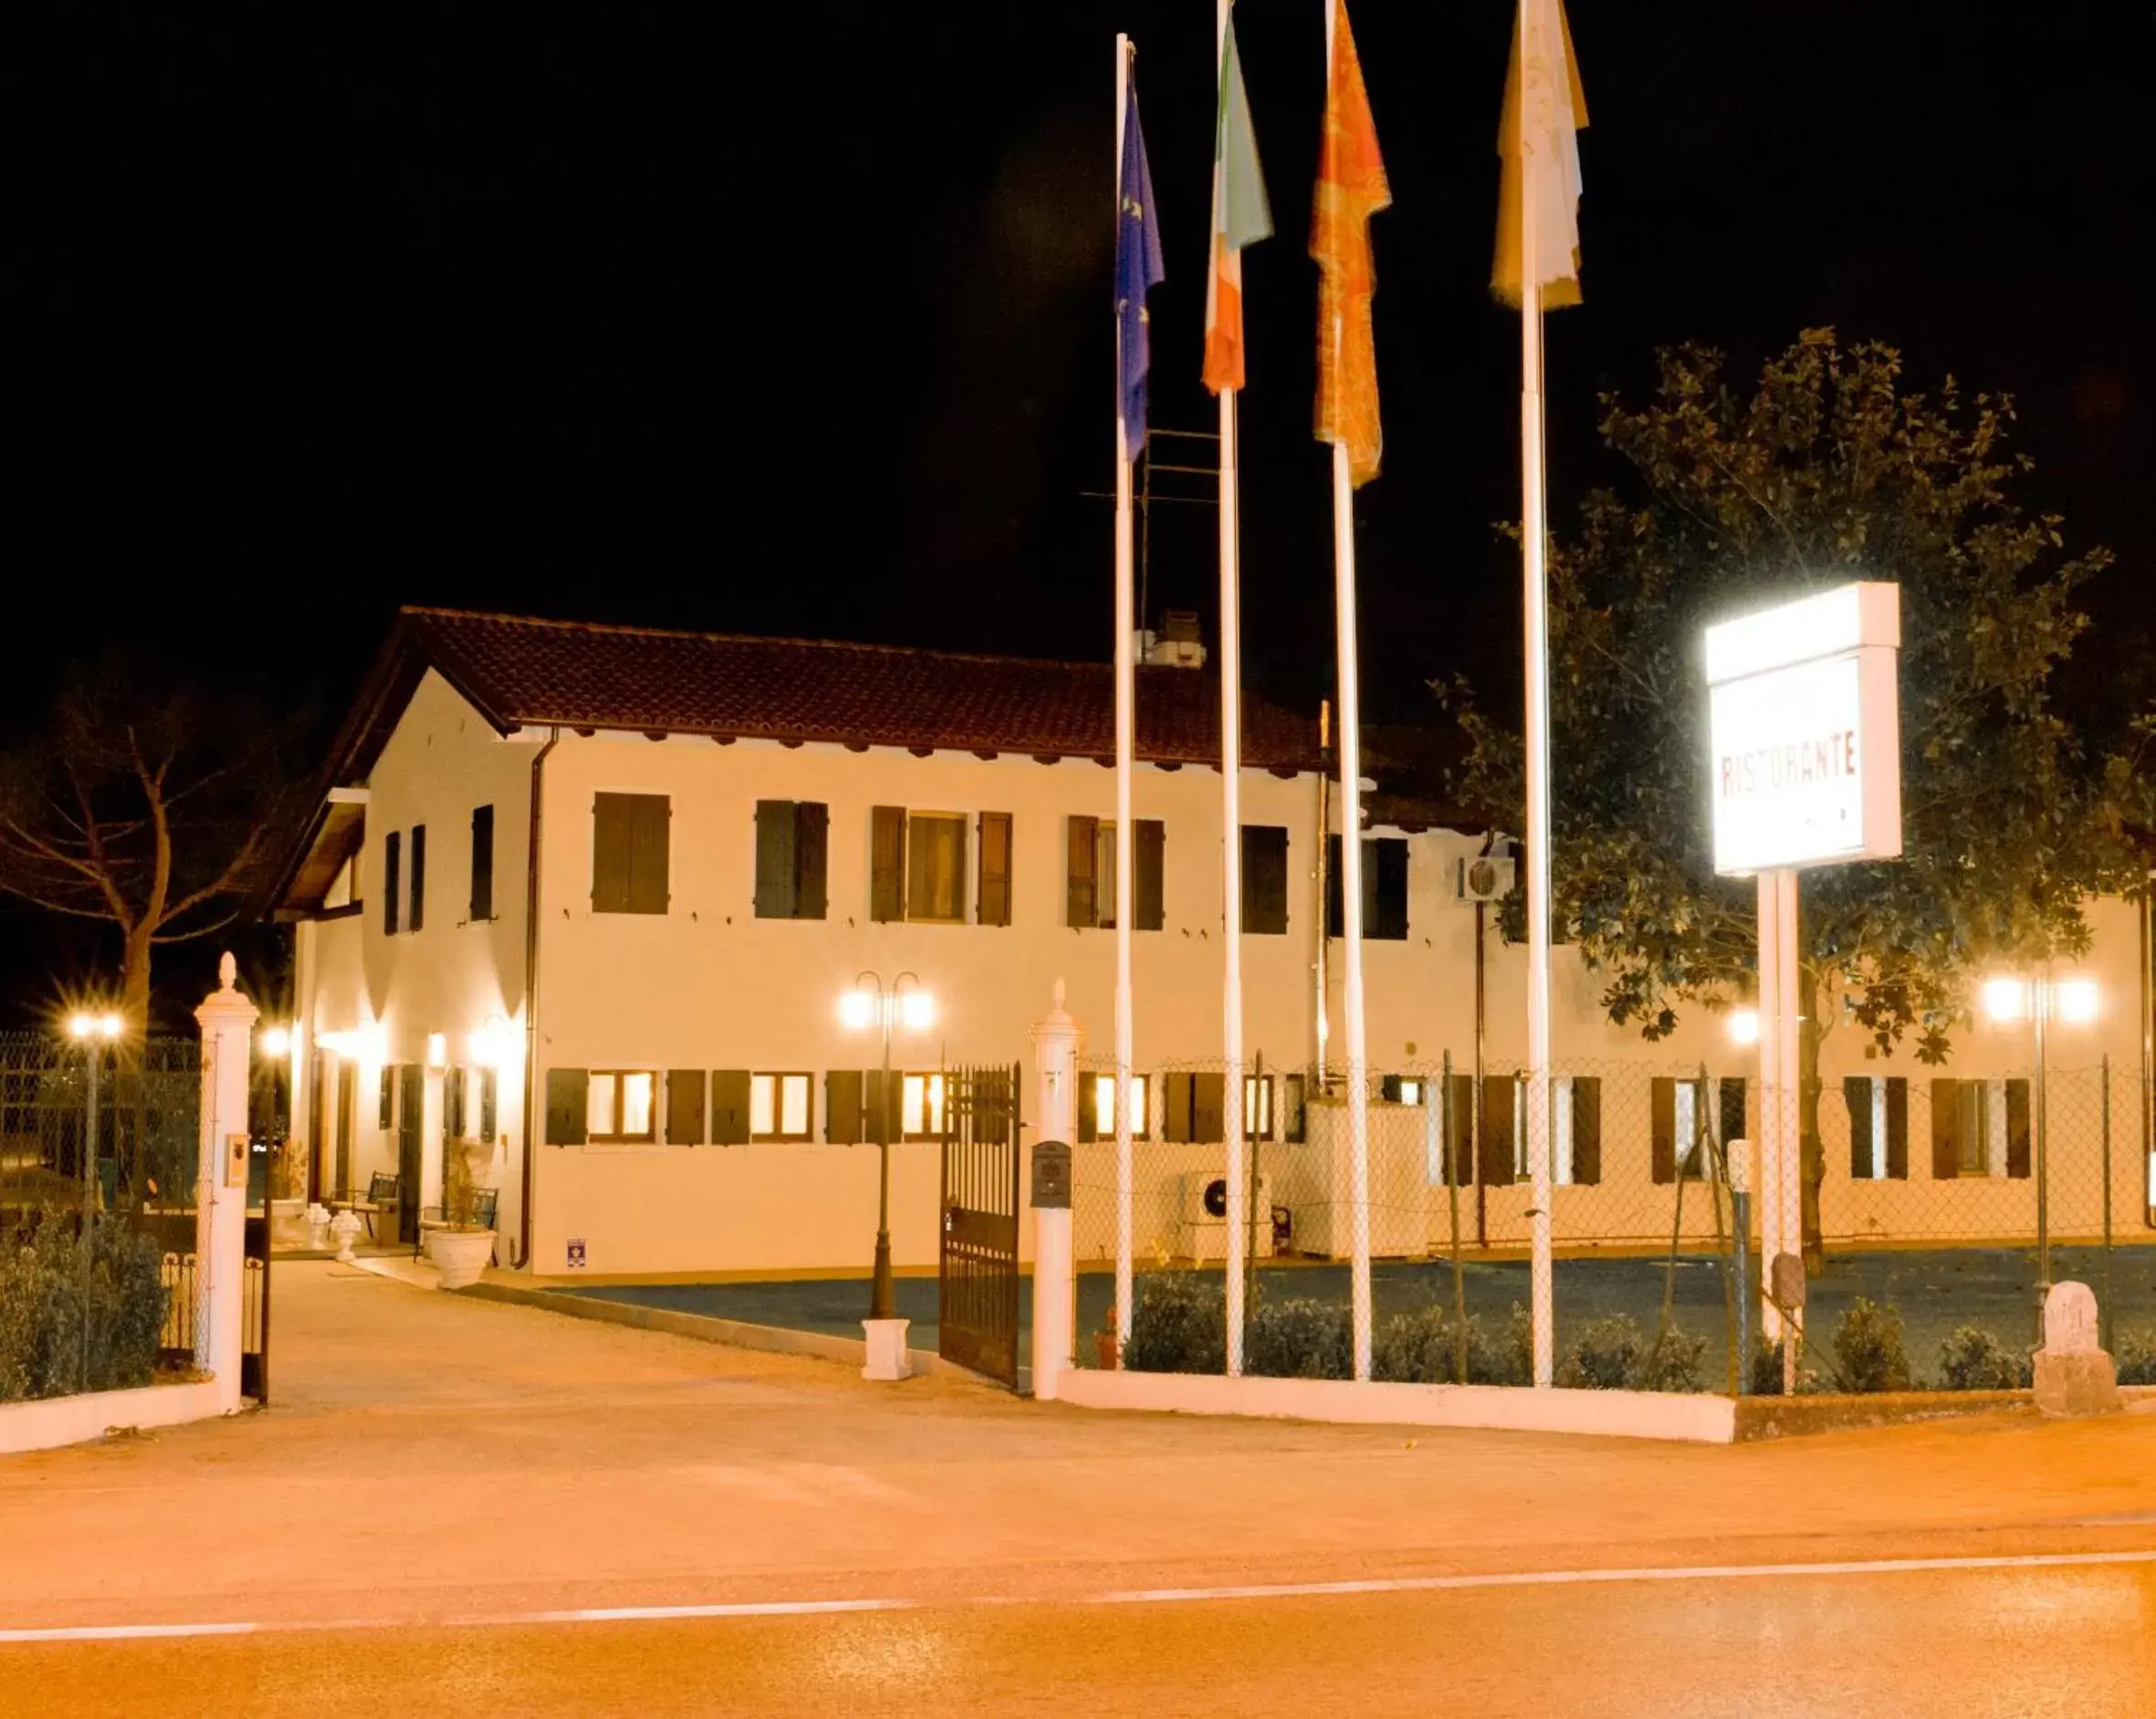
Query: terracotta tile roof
[(521, 671)]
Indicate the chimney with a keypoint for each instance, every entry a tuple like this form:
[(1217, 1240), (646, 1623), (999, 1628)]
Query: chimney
[(1177, 645)]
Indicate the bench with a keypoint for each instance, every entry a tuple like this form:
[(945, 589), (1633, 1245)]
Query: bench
[(382, 1196)]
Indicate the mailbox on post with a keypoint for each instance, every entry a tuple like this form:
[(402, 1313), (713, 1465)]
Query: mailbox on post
[(1052, 1176)]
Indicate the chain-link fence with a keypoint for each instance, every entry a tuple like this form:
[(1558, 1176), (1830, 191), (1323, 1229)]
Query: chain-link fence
[(1952, 1202), (99, 1148)]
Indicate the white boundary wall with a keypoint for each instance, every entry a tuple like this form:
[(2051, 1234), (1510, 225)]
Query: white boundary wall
[(1625, 1414), (51, 1421)]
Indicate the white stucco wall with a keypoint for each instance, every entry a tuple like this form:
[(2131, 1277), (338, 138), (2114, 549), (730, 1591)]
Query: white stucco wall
[(707, 985)]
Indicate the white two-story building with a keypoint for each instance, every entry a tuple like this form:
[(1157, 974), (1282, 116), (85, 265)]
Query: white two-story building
[(590, 894)]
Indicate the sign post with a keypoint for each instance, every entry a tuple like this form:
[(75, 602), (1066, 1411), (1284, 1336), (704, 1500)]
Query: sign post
[(1805, 769)]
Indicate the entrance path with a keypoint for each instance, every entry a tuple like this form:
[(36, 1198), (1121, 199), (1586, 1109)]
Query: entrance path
[(433, 1457)]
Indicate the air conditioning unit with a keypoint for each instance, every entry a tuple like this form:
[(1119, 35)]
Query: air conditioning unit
[(1485, 877), (1202, 1235)]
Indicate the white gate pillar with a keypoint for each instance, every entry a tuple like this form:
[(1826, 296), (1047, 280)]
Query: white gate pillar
[(1055, 1309), (228, 1021)]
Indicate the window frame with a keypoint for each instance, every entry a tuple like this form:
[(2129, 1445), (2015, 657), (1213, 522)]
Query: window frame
[(932, 1081), (1091, 1084), (618, 1077), (957, 821), (778, 1134), (482, 878), (624, 804), (1257, 1117)]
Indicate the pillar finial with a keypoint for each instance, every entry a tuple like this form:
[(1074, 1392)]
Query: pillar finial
[(227, 971)]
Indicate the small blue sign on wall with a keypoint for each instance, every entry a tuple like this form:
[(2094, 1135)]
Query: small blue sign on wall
[(576, 1254)]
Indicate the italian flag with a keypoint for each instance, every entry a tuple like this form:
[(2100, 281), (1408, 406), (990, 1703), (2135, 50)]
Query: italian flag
[(1240, 216)]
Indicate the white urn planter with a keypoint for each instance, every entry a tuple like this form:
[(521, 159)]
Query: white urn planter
[(461, 1255)]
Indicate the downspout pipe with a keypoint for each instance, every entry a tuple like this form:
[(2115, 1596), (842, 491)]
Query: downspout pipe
[(531, 946)]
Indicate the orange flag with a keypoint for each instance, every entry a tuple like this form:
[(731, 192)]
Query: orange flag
[(1351, 188)]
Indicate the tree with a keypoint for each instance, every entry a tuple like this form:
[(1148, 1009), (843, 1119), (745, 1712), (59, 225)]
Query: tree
[(145, 804), (1828, 471)]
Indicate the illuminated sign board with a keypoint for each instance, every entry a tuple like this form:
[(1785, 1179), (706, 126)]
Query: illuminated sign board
[(1804, 732)]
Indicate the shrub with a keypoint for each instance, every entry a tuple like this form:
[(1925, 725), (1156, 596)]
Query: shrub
[(2135, 1347), (1767, 1372), (1179, 1324), (1674, 1363), (1868, 1348), (1415, 1347), (1606, 1355), (63, 1328), (1300, 1339), (1972, 1359)]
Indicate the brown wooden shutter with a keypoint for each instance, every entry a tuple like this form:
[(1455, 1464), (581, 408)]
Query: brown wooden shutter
[(842, 1107), (1209, 1107), (482, 905), (1946, 1130), (886, 864), (1731, 1108), (1294, 1109), (685, 1106), (1459, 1122), (1148, 876), (893, 1105), (1177, 1102), (729, 1106), (1089, 1087), (1081, 900), (992, 895), (1385, 916), (489, 1115), (566, 1093), (393, 879), (1587, 1130), (650, 830), (1662, 1129), (1495, 1153), (386, 1099), (1897, 1129), (418, 918), (453, 1104), (2017, 1127), (776, 826), (1335, 902), (1264, 879), (610, 852), (812, 859), (1856, 1095), (1388, 1089)]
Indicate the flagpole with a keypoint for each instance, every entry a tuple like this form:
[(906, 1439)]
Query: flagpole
[(1351, 867), (1231, 843), (1534, 530), (1126, 702)]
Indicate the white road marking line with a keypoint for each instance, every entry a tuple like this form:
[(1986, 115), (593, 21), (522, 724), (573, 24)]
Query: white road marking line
[(1128, 1597)]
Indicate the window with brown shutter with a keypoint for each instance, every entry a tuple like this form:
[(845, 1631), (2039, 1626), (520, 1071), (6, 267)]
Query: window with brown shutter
[(1082, 887), (489, 1118), (685, 1106), (1294, 1109), (417, 920), (991, 894), (392, 848), (1586, 1130), (1896, 1128), (566, 1103), (630, 853), (1661, 1111), (842, 1107), (1179, 1107), (1209, 1107), (792, 847), (1384, 888), (1264, 879), (729, 1106), (482, 902), (2017, 1128), (1148, 880), (453, 1104), (1498, 1151), (1459, 1130), (935, 868), (886, 864), (1946, 1129)]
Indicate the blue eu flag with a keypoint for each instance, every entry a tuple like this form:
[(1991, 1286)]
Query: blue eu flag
[(1137, 272)]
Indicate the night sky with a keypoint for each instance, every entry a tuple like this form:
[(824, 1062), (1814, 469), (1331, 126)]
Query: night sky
[(798, 318)]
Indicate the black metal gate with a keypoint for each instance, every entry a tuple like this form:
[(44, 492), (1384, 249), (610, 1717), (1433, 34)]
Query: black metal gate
[(977, 1320), (253, 1318)]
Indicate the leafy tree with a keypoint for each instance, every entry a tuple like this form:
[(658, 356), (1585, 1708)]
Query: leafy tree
[(144, 803), (1828, 470)]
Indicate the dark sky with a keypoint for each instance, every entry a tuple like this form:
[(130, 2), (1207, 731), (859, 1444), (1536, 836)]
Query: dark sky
[(798, 318)]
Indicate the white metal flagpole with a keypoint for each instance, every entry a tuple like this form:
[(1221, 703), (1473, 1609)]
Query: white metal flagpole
[(1351, 873), (1534, 530), (1232, 845), (1126, 714)]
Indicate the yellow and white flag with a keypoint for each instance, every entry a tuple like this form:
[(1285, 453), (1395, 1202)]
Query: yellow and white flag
[(1538, 207)]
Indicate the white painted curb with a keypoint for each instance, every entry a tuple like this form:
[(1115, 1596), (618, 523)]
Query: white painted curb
[(1695, 1417), (49, 1422)]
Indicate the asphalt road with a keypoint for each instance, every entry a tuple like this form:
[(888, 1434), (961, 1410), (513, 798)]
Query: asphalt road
[(2072, 1639)]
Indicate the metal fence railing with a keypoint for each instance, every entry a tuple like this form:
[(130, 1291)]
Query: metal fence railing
[(1952, 1201)]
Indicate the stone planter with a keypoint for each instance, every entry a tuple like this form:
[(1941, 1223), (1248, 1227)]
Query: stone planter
[(461, 1255)]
